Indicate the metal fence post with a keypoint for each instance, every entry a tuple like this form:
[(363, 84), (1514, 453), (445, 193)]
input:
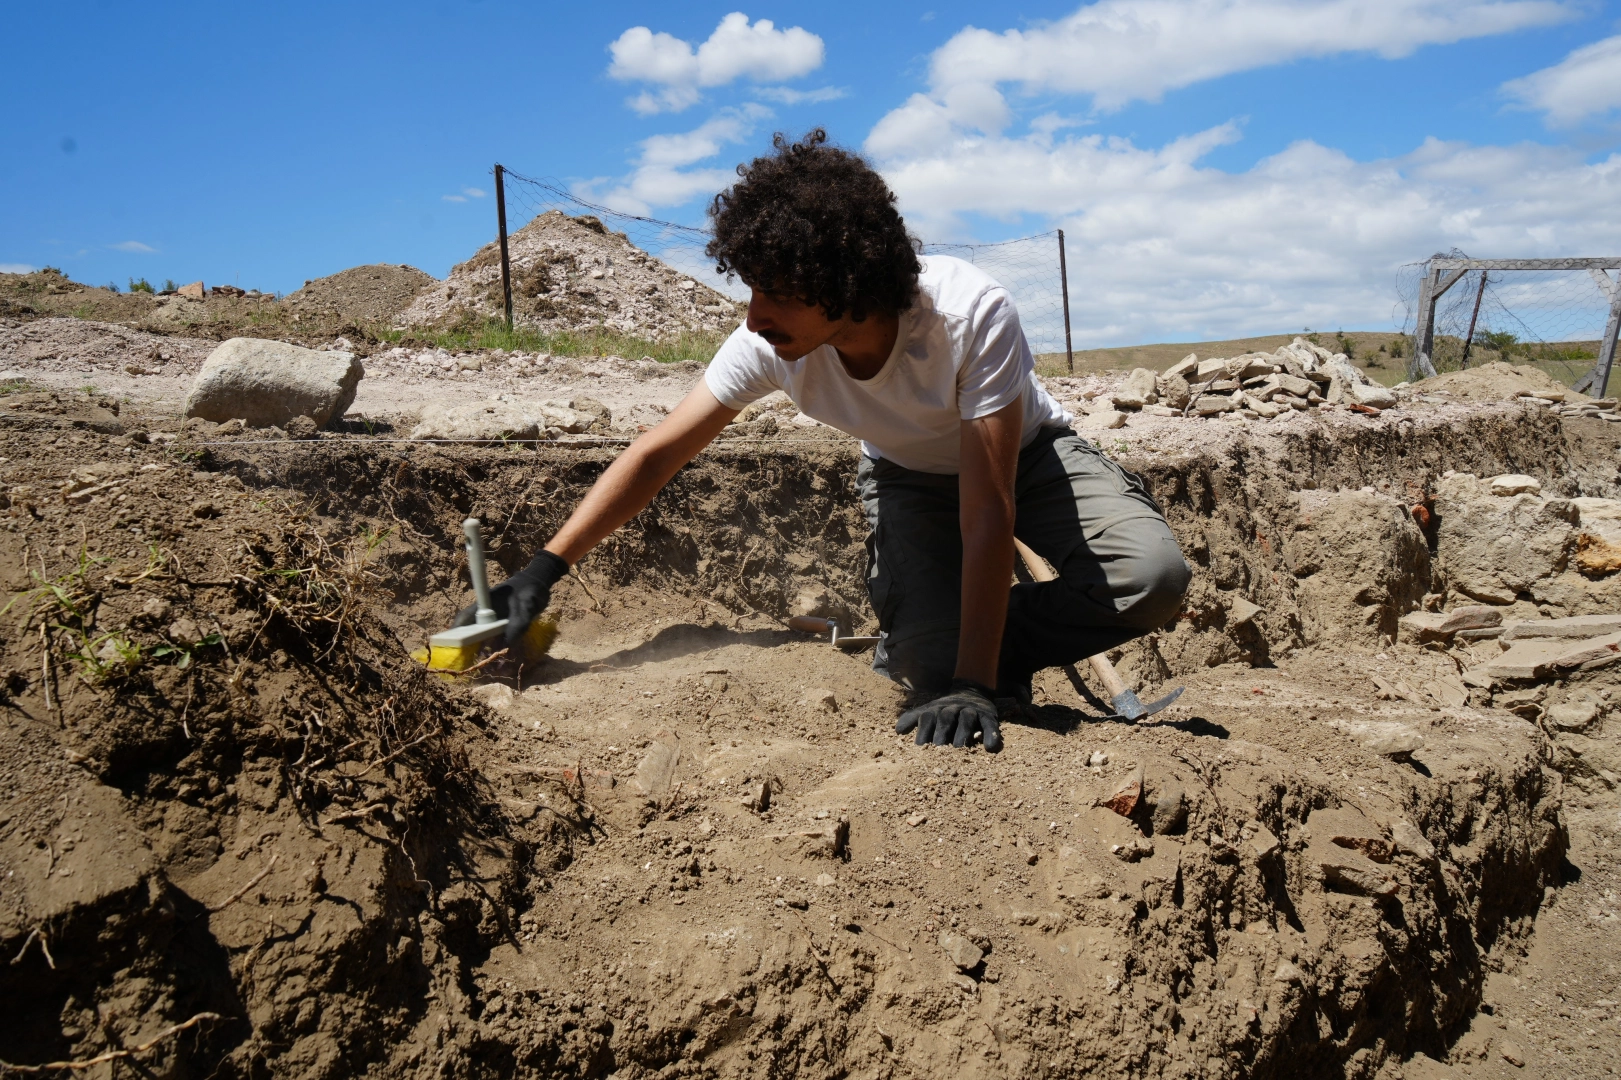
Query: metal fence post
[(1063, 279), (501, 221)]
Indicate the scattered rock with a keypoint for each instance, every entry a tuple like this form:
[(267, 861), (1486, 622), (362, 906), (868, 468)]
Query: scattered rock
[(1098, 759), (302, 427), (1123, 800), (1259, 838), (758, 797), (268, 383), (1386, 738), (1138, 390), (960, 951), (230, 427), (194, 291), (914, 820), (1173, 392), (1170, 808), (1241, 611), (1409, 839), (822, 698), (1351, 872), (1515, 484), (1510, 1052), (486, 422), (655, 774), (1288, 972), (1573, 715), (1107, 420), (1132, 851)]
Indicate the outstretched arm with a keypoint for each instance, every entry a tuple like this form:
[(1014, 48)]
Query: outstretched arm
[(627, 486), (638, 474), (990, 458)]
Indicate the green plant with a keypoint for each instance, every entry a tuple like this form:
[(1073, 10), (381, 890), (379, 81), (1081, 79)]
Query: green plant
[(112, 286), (140, 285), (182, 653), (1310, 335), (1396, 347), (472, 334), (169, 286), (1501, 340), (1347, 345), (17, 386)]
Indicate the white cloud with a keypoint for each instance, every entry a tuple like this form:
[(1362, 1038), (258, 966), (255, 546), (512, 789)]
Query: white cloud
[(784, 95), (1162, 248), (454, 198), (1119, 51), (737, 49), (661, 178), (16, 268), (466, 193), (134, 247), (1585, 83)]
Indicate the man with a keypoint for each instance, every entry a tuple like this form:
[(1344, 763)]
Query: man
[(923, 359)]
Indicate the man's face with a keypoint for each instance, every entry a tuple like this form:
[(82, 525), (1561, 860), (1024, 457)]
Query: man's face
[(791, 327)]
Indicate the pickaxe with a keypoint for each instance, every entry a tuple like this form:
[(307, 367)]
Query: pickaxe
[(1124, 701)]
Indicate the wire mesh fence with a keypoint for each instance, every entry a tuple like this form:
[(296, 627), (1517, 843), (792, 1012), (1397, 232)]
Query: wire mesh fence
[(1551, 319), (1027, 267)]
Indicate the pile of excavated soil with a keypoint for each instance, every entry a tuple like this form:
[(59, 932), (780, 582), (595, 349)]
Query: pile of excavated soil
[(77, 347), (1497, 381), (572, 273), (372, 294), (226, 791)]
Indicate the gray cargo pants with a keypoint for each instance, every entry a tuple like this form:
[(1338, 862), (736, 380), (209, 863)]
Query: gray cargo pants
[(1120, 572)]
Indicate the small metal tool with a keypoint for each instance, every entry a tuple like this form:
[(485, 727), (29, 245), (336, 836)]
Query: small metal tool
[(812, 625)]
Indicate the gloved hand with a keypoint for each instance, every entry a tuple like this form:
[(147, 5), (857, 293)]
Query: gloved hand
[(967, 707), (521, 597)]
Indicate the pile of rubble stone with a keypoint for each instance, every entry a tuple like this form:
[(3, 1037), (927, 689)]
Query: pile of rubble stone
[(1255, 386), (573, 273)]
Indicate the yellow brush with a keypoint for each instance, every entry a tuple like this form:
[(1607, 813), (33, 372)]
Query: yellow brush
[(457, 649)]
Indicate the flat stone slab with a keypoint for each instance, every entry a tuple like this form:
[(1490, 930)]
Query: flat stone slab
[(1536, 659), (1575, 627)]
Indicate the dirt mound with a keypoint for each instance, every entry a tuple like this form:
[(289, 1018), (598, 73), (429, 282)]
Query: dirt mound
[(57, 344), (1498, 381), (573, 274), (229, 800), (372, 294)]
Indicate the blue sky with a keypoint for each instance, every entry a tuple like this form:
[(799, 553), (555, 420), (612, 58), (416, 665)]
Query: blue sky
[(1221, 166)]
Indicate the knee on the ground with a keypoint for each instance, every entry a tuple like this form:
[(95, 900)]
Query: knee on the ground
[(1158, 580), (1145, 585)]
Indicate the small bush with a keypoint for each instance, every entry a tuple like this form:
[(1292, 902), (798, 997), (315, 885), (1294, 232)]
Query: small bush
[(141, 285), (169, 286), (1347, 346), (111, 286), (1396, 347)]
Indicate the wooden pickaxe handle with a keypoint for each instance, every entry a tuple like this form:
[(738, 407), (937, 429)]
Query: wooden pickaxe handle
[(1038, 568)]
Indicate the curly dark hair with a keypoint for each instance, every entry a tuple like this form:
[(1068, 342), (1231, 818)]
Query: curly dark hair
[(818, 223)]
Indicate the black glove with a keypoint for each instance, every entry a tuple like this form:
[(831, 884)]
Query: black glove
[(520, 597), (967, 707)]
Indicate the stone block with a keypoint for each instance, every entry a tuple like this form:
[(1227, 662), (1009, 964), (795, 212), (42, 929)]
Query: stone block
[(267, 383)]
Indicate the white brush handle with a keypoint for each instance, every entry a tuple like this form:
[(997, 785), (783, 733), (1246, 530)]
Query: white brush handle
[(475, 570)]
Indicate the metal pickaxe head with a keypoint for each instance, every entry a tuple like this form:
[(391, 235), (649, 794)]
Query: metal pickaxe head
[(1128, 705)]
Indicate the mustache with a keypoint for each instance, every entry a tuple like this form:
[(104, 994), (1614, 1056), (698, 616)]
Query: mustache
[(773, 337)]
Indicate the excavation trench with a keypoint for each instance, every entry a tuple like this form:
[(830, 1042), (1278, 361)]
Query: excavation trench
[(363, 870)]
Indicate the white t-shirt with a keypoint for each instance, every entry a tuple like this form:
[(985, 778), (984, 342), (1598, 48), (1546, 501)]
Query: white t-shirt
[(960, 354)]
